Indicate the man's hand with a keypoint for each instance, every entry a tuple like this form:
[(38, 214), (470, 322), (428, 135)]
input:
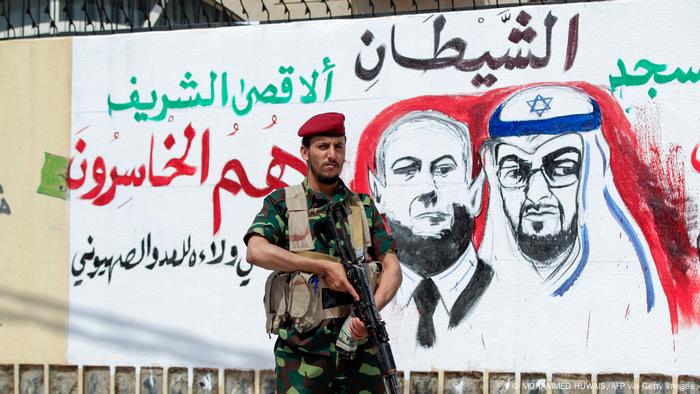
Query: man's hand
[(336, 278), (262, 253), (357, 328), (391, 280)]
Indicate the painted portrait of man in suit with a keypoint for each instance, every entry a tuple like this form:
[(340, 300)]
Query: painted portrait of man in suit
[(424, 188)]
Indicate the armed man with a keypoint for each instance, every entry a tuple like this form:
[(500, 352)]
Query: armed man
[(309, 297)]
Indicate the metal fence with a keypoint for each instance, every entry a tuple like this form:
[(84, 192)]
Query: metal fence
[(42, 18), (32, 379)]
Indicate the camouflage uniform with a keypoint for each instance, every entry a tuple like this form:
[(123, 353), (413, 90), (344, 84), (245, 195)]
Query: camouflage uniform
[(307, 362)]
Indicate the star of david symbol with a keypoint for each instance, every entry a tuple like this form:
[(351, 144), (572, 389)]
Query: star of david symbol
[(540, 105)]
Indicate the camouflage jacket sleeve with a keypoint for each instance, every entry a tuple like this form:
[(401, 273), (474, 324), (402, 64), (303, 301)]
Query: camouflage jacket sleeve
[(382, 242), (270, 221)]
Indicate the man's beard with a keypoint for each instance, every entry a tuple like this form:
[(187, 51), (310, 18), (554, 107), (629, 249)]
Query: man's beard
[(545, 249), (326, 180), (429, 256)]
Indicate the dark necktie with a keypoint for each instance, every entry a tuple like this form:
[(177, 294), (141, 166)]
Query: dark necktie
[(471, 294), (426, 297)]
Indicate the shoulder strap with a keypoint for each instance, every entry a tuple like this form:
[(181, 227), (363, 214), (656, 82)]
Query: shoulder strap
[(299, 229), (359, 226), (300, 232)]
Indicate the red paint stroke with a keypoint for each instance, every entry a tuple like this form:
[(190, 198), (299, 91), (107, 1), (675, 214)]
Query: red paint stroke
[(652, 188), (205, 157), (280, 159), (694, 160), (80, 145), (126, 179), (274, 122), (71, 182), (178, 163), (169, 142), (124, 203), (99, 175), (135, 177)]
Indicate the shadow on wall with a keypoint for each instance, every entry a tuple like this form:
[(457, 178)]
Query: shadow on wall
[(133, 334)]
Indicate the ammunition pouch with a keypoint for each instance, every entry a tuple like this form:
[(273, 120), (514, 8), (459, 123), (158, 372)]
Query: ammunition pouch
[(304, 299)]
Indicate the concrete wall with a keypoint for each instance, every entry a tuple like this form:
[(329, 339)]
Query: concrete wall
[(34, 119)]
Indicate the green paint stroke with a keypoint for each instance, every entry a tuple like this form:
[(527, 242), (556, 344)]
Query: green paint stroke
[(274, 92), (53, 176), (645, 71)]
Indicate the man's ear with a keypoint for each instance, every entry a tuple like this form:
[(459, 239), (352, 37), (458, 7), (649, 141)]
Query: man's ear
[(304, 151), (377, 188), (475, 193)]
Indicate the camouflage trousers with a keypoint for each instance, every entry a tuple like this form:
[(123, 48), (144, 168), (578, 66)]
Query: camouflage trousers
[(308, 373)]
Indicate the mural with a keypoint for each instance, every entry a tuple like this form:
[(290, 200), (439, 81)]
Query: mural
[(542, 191), (549, 207), (430, 204)]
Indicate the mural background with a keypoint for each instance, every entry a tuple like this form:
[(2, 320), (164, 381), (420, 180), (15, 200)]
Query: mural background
[(189, 180)]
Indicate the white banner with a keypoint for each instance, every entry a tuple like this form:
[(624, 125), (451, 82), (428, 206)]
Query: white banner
[(537, 165)]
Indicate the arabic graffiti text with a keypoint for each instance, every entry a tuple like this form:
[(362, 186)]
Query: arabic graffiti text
[(651, 71), (91, 265), (174, 167), (103, 183), (305, 90), (452, 52), (273, 180)]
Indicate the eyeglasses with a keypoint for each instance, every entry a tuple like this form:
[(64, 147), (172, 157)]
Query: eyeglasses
[(515, 173)]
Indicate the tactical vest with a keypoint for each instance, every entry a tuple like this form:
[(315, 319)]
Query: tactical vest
[(303, 297)]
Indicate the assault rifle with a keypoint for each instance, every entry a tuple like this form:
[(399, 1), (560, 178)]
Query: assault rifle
[(366, 307)]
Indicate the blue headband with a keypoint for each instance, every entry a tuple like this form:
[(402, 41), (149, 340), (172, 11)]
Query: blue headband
[(558, 125)]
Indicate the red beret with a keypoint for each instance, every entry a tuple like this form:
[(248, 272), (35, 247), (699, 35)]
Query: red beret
[(329, 123)]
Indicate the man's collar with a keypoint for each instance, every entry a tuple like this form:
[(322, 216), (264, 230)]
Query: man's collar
[(341, 193), (451, 283)]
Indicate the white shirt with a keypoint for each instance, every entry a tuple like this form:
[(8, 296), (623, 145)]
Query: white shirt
[(453, 347), (450, 283)]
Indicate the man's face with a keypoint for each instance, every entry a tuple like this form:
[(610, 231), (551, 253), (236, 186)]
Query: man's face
[(325, 157), (425, 171), (539, 181), (426, 181)]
